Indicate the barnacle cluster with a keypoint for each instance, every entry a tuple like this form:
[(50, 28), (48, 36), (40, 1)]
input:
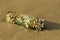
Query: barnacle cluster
[(25, 20)]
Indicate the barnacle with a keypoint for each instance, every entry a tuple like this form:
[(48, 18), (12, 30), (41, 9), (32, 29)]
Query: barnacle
[(24, 20)]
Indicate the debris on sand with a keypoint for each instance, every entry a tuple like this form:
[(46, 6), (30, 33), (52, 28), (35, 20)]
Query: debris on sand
[(25, 20)]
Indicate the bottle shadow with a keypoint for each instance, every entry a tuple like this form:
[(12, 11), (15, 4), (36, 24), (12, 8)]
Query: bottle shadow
[(51, 25)]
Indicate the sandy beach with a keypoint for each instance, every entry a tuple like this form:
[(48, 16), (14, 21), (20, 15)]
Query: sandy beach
[(47, 9)]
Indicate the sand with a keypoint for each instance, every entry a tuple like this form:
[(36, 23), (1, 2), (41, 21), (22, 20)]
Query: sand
[(47, 9)]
